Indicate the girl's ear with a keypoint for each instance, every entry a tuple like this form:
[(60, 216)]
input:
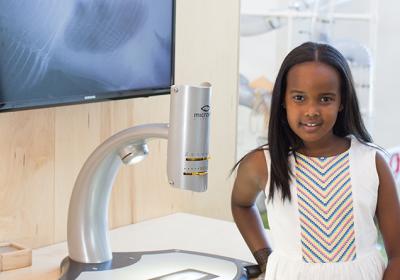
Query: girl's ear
[(341, 108)]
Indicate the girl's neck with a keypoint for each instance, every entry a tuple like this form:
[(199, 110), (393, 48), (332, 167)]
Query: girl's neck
[(330, 146)]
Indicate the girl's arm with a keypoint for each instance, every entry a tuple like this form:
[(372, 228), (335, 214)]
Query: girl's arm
[(388, 214), (250, 181)]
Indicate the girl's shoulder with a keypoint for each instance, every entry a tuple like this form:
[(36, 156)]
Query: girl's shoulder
[(366, 153), (254, 160), (254, 167), (364, 147)]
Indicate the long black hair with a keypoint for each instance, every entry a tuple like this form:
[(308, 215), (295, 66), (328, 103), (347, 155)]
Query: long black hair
[(282, 141)]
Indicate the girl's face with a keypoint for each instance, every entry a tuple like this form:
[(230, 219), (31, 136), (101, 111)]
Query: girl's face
[(312, 101)]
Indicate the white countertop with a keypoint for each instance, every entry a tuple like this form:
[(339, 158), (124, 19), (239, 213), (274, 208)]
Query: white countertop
[(176, 231)]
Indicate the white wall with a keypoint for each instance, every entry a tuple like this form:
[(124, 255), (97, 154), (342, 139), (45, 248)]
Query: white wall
[(386, 120)]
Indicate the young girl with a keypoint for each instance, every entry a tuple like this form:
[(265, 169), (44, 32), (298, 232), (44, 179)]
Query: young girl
[(323, 179)]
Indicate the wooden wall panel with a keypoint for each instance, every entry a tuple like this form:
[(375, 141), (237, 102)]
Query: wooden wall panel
[(27, 177), (77, 130), (207, 50)]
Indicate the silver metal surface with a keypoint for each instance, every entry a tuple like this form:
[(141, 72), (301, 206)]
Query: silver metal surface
[(133, 154), (158, 265), (88, 240), (188, 141)]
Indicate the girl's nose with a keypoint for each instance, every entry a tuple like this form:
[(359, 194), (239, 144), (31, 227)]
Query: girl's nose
[(312, 112)]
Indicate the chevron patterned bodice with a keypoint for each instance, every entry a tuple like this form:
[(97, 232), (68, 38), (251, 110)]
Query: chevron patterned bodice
[(326, 230), (325, 205)]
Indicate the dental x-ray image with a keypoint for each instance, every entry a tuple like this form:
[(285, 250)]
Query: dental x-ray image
[(68, 51)]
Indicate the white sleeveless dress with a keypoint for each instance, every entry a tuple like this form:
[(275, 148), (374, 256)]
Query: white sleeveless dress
[(327, 230)]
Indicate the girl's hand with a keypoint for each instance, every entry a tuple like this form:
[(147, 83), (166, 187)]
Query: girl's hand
[(260, 277)]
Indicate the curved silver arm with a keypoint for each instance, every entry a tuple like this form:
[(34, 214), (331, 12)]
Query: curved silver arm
[(88, 239)]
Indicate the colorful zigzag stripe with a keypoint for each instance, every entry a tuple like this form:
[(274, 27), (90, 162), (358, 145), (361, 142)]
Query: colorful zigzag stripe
[(326, 208)]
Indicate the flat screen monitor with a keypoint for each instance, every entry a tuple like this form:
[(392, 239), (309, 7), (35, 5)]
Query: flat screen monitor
[(57, 52)]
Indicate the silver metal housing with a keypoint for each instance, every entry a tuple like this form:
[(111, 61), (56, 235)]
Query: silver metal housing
[(188, 140)]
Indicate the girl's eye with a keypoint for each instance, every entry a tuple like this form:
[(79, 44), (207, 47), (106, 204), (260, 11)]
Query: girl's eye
[(326, 99), (298, 98)]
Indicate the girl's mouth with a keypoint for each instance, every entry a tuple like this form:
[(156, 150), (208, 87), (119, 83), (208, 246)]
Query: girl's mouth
[(311, 126)]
